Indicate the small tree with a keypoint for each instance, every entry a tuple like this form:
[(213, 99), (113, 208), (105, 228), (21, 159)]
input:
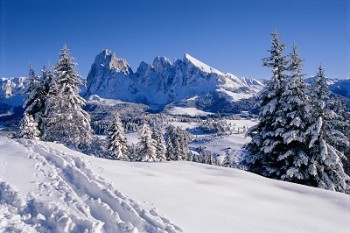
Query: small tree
[(181, 144), (146, 146), (117, 142), (28, 127), (169, 142), (177, 143), (33, 104), (159, 143)]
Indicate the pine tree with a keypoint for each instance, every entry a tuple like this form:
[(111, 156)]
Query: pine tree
[(295, 109), (66, 121), (146, 146), (337, 123), (169, 142), (181, 144), (33, 105), (326, 169), (340, 121), (267, 141), (176, 143), (117, 142), (159, 143), (29, 128)]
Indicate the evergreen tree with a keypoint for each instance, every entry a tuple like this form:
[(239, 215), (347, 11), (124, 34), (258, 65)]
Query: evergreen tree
[(66, 121), (267, 136), (169, 142), (326, 169), (295, 109), (176, 143), (33, 105), (146, 146), (117, 142), (29, 128), (159, 143), (340, 121), (181, 144), (337, 126)]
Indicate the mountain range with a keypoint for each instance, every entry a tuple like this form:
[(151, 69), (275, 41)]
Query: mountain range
[(186, 82)]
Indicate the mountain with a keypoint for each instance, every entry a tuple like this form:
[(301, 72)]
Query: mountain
[(341, 87), (12, 90), (186, 81), (11, 97)]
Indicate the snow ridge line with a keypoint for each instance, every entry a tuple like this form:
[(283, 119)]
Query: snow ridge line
[(102, 201)]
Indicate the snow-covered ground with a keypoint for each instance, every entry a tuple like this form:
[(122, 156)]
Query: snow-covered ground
[(187, 111), (46, 187)]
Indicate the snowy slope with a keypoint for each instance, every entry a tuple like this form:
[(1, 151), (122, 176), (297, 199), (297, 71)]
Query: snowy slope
[(47, 187), (163, 81), (185, 111)]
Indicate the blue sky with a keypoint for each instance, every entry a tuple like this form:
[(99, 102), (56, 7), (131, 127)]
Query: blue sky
[(232, 36)]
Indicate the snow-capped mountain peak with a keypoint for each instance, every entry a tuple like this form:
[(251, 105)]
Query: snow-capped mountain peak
[(161, 63), (197, 63), (163, 81), (108, 59)]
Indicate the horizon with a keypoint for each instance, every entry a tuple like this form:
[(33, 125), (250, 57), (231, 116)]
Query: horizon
[(229, 36)]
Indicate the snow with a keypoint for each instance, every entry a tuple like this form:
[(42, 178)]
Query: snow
[(187, 111), (48, 187), (203, 198), (97, 99), (201, 65)]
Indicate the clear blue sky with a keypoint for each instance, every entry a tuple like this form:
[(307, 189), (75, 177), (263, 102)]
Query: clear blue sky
[(230, 35)]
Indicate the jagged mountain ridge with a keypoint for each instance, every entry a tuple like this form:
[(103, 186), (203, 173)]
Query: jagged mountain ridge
[(164, 82)]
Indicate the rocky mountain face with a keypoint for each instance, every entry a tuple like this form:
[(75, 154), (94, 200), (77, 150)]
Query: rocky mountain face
[(11, 92), (164, 82), (11, 87)]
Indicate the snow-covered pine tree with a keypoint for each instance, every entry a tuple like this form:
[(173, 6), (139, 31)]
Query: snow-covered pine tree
[(340, 121), (181, 144), (326, 169), (33, 82), (117, 142), (295, 109), (337, 121), (176, 141), (146, 147), (66, 121), (29, 128), (33, 105), (267, 141), (169, 142), (159, 143)]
